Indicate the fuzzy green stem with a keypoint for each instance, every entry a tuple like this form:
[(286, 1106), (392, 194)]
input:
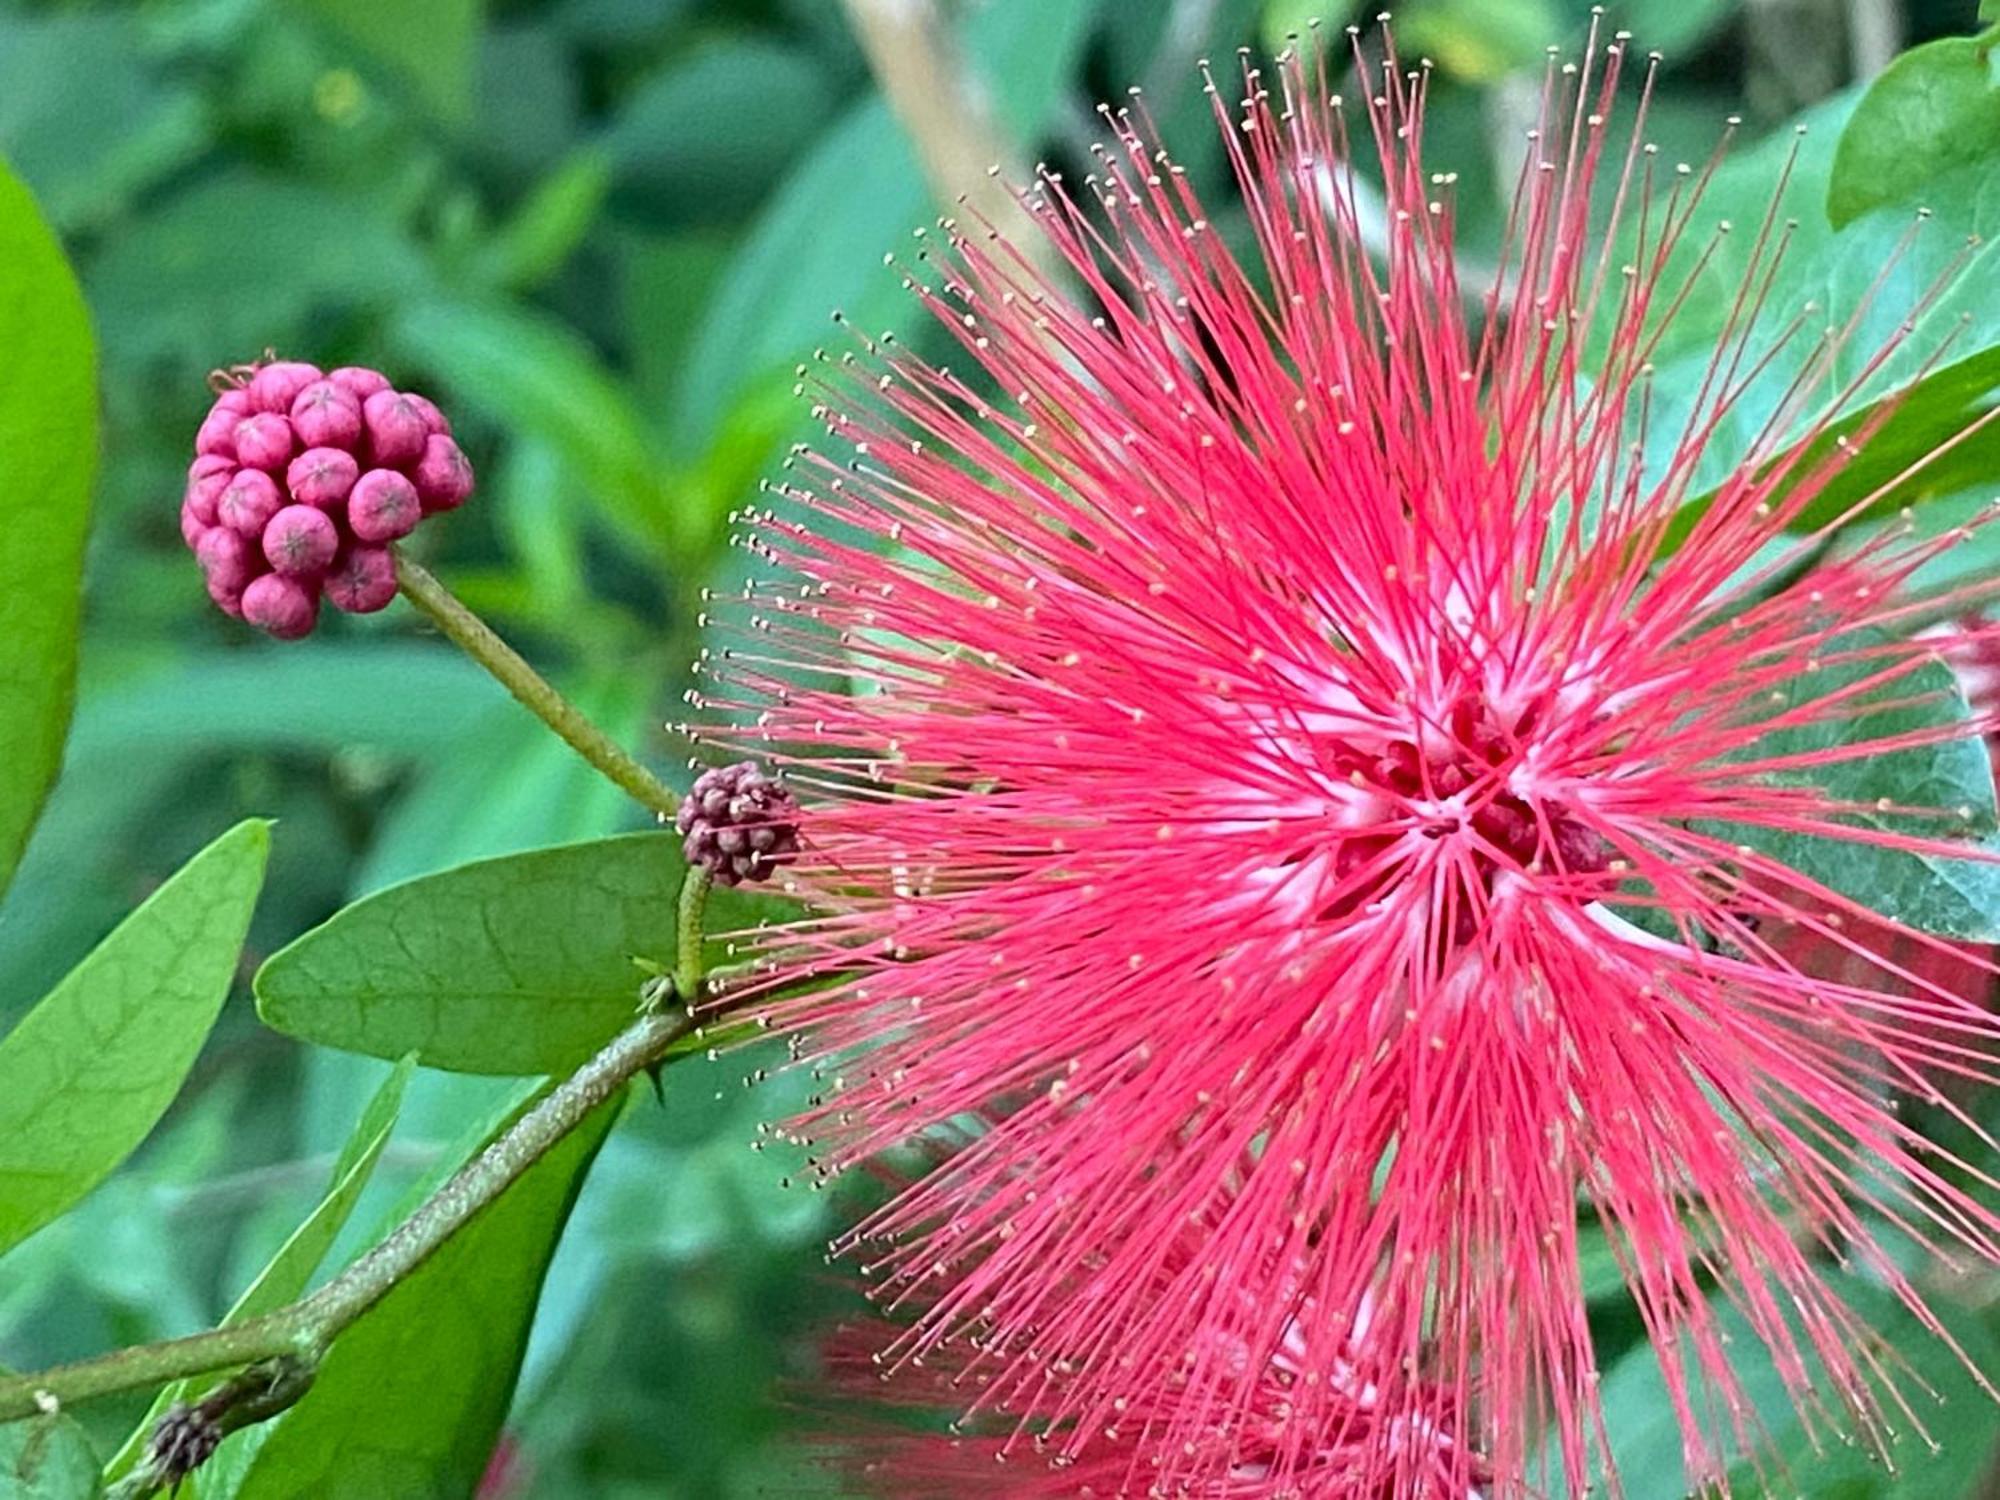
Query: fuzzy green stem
[(688, 954), (305, 1328), (477, 640)]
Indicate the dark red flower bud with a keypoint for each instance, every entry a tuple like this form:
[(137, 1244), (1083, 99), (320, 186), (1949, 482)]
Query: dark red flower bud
[(362, 581), (322, 477), (286, 607), (395, 427), (326, 415), (359, 381), (264, 441), (249, 501), (738, 824), (301, 541), (383, 506), (277, 385), (443, 474)]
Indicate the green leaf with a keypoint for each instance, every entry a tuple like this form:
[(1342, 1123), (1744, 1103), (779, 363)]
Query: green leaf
[(48, 453), (1957, 898), (290, 1271), (522, 964), (430, 45), (47, 1458), (1480, 41), (87, 117), (91, 1069), (241, 261), (1989, 10), (409, 1401), (1647, 1441), (818, 243), (1934, 109), (548, 226)]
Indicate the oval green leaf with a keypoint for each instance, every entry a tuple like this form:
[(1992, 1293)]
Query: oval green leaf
[(48, 453), (90, 1070), (1932, 110), (47, 1458), (518, 965)]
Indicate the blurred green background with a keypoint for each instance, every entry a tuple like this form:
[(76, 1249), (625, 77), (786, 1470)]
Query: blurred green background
[(600, 232)]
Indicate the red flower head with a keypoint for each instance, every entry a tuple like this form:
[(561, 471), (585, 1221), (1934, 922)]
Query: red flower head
[(1270, 712)]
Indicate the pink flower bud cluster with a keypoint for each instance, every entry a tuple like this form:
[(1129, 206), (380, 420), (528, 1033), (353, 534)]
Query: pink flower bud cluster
[(302, 480)]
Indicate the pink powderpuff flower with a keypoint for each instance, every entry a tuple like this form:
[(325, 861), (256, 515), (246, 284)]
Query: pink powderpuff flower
[(1271, 713), (1374, 1436)]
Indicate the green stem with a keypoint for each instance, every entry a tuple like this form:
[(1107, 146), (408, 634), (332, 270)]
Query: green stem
[(689, 937), (306, 1328), (476, 639)]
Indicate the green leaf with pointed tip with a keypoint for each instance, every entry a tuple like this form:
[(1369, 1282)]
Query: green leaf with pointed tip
[(90, 1070), (48, 453), (47, 1458), (290, 1271), (522, 964), (409, 1400), (1933, 110)]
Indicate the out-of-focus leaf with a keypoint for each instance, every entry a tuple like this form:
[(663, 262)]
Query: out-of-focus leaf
[(528, 106), (310, 696), (509, 786), (290, 1271), (240, 263), (536, 376), (818, 243), (673, 166), (1480, 41), (47, 1458), (85, 118), (1672, 26), (48, 455), (522, 964), (409, 1400), (1933, 110), (90, 1070), (429, 45), (546, 229)]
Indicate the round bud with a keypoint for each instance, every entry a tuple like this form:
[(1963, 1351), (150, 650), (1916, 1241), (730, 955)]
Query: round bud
[(383, 506), (264, 441), (359, 381), (396, 429), (443, 474), (300, 541), (277, 385), (225, 597), (738, 824), (217, 434), (362, 581), (203, 492), (193, 527), (248, 503), (434, 420), (285, 607), (209, 464), (322, 477), (226, 560), (327, 416)]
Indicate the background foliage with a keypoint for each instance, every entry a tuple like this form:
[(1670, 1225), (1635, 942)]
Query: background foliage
[(600, 232)]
